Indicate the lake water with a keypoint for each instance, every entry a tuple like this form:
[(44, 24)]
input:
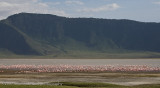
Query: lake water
[(35, 79), (150, 62)]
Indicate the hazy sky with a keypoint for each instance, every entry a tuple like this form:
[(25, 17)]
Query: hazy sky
[(140, 10)]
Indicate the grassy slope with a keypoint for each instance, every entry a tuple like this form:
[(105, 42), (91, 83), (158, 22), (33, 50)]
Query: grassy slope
[(37, 46), (80, 85), (86, 55)]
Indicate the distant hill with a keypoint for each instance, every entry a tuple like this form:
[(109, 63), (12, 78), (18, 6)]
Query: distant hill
[(51, 35)]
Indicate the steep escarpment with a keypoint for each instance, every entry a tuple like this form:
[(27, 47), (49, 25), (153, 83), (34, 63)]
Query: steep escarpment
[(45, 34)]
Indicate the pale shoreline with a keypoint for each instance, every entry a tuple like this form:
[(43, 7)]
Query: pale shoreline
[(127, 79)]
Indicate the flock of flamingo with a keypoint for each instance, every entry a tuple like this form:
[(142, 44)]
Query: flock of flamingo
[(77, 68)]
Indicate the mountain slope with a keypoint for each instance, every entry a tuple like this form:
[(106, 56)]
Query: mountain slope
[(12, 40), (39, 34)]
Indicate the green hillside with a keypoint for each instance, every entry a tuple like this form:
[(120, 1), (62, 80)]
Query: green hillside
[(50, 36)]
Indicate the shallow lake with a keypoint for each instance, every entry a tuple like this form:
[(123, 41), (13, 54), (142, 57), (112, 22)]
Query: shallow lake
[(151, 62), (35, 79)]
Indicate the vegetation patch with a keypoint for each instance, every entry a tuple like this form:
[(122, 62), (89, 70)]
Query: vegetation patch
[(80, 85)]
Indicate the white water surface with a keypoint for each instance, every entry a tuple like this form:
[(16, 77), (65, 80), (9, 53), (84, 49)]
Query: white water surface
[(149, 62)]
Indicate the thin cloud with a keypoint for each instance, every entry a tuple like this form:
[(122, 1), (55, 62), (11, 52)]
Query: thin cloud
[(55, 3), (74, 2), (108, 7), (157, 2)]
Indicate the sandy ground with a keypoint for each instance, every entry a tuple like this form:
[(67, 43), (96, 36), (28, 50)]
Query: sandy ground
[(114, 78)]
